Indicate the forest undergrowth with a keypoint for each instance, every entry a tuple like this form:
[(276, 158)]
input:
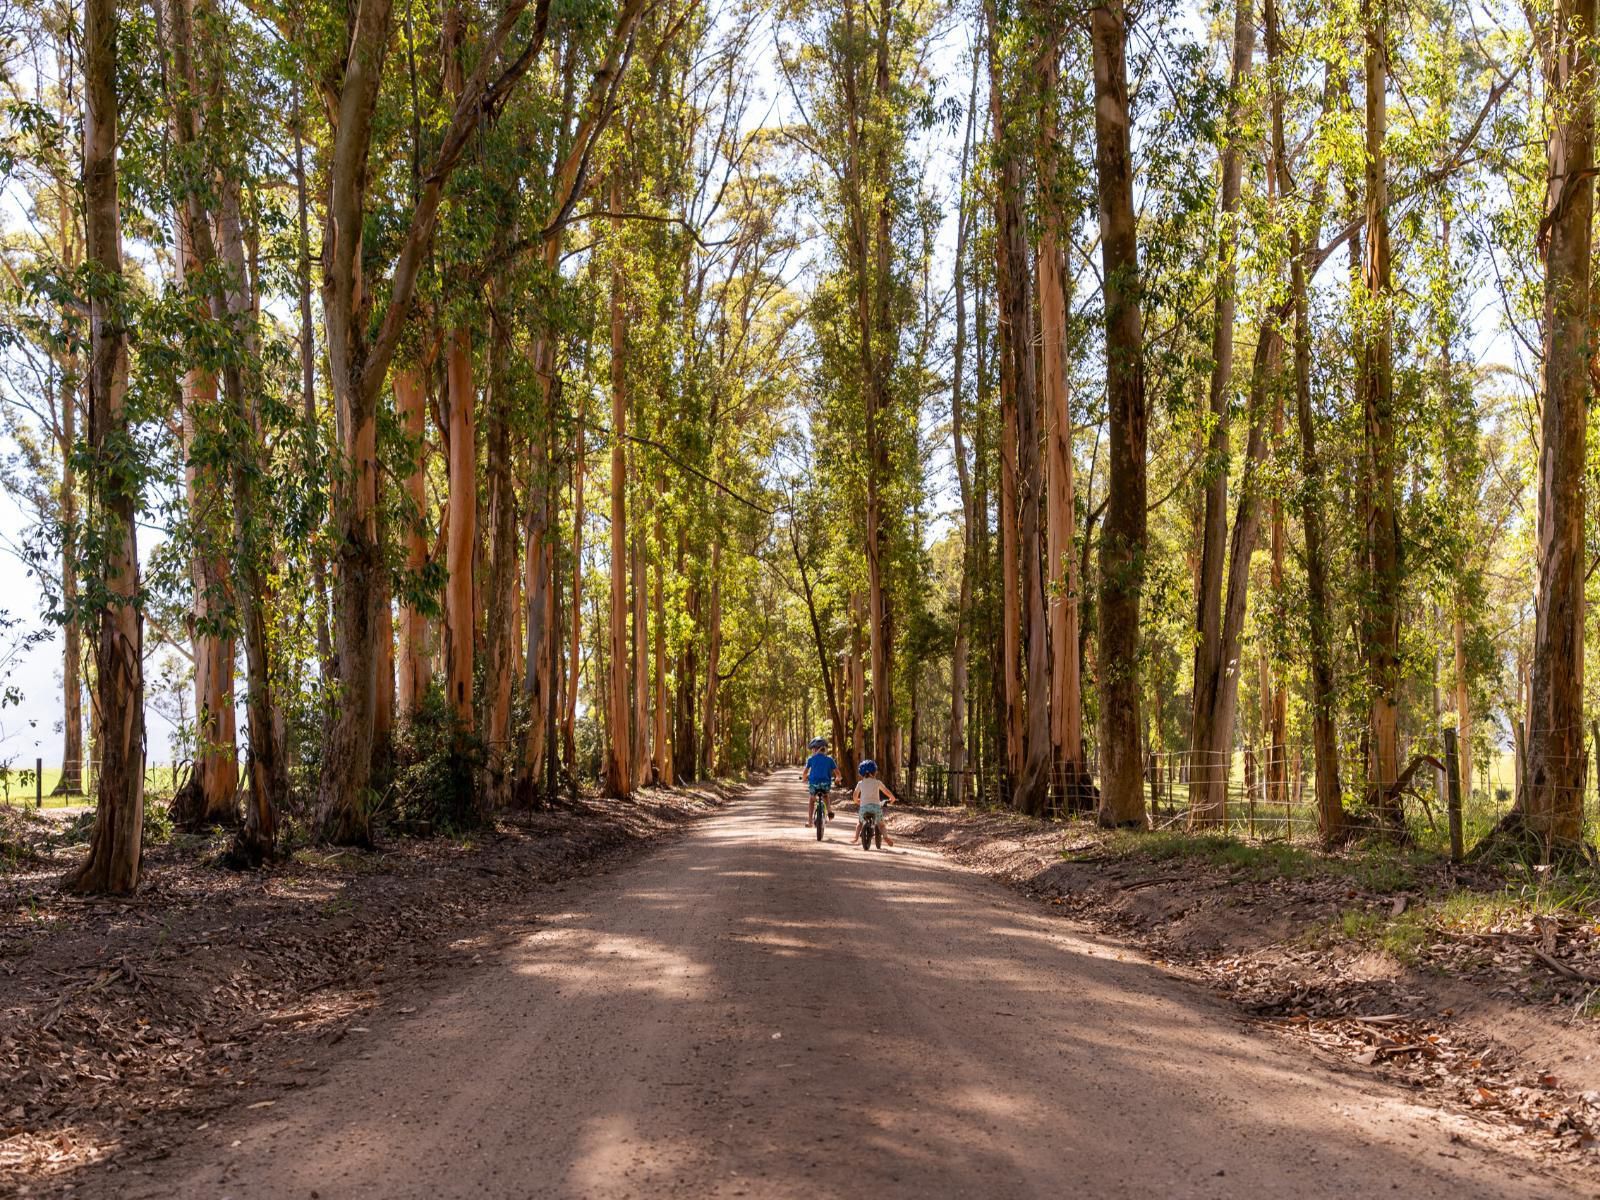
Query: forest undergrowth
[(122, 1020), (1477, 986)]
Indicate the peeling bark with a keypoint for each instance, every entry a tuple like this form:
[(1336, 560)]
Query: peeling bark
[(113, 861), (1122, 537)]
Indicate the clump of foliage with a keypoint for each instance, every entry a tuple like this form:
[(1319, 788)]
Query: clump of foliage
[(436, 766)]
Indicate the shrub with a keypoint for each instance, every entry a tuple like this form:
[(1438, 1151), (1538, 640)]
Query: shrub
[(436, 767)]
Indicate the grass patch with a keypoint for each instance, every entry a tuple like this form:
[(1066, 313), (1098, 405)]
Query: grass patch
[(1467, 910), (1546, 894), (347, 860), (1400, 937), (1375, 868)]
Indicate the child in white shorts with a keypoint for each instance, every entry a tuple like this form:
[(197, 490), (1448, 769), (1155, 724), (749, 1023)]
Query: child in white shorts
[(870, 795)]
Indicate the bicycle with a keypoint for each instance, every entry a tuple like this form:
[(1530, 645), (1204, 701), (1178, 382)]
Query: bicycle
[(819, 809), (871, 830)]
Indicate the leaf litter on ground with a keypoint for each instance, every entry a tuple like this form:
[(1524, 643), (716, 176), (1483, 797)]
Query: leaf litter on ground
[(122, 1020), (1356, 961)]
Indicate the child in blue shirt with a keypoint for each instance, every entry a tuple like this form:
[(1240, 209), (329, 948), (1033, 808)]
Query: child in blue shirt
[(819, 773)]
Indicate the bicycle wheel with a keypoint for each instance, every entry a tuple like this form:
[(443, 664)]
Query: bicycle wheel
[(866, 834), (819, 818)]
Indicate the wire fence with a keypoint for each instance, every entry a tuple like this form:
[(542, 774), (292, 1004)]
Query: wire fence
[(1270, 792), (43, 783)]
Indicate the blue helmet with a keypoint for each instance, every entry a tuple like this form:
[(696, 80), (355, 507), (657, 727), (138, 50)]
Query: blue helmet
[(866, 767), (819, 743)]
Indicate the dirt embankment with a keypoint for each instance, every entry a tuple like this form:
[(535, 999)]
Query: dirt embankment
[(121, 1019), (1463, 984)]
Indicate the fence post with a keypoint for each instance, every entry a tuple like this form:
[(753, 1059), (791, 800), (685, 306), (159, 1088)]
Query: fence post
[(38, 783), (1452, 771), (1250, 805)]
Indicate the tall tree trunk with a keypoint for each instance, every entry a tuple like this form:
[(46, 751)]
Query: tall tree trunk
[(1278, 737), (1012, 595), (1209, 754), (384, 696), (543, 657), (71, 782), (308, 389), (466, 523), (709, 732), (1055, 305), (858, 688), (542, 654), (358, 363), (643, 773), (114, 851), (1122, 537), (880, 413), (1464, 716), (460, 613), (1275, 696), (342, 810), (542, 650), (212, 794), (502, 651), (267, 767), (1032, 794), (1222, 702), (1463, 565), (957, 736), (869, 204), (233, 305), (663, 749), (985, 725), (1382, 618), (1325, 739), (618, 777), (569, 722), (416, 662), (684, 740), (1552, 797), (880, 633)]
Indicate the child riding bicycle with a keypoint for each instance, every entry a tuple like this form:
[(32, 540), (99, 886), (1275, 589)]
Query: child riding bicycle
[(869, 795), (819, 773)]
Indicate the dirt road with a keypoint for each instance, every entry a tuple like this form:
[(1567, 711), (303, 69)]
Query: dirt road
[(749, 1013)]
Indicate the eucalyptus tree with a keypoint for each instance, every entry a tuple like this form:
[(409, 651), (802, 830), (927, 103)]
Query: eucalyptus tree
[(1211, 748), (1062, 120), (111, 538), (1122, 541), (212, 123), (359, 360), (858, 78), (1375, 380), (1551, 800), (210, 797), (41, 400), (1030, 755)]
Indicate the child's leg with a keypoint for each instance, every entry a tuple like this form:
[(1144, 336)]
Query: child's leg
[(883, 824)]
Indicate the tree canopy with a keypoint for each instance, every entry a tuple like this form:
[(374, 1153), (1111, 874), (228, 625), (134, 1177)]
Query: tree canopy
[(1162, 412)]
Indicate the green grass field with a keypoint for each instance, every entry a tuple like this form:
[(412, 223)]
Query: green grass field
[(18, 786)]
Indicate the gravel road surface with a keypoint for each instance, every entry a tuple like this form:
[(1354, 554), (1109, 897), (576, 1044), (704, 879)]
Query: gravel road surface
[(746, 1012)]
